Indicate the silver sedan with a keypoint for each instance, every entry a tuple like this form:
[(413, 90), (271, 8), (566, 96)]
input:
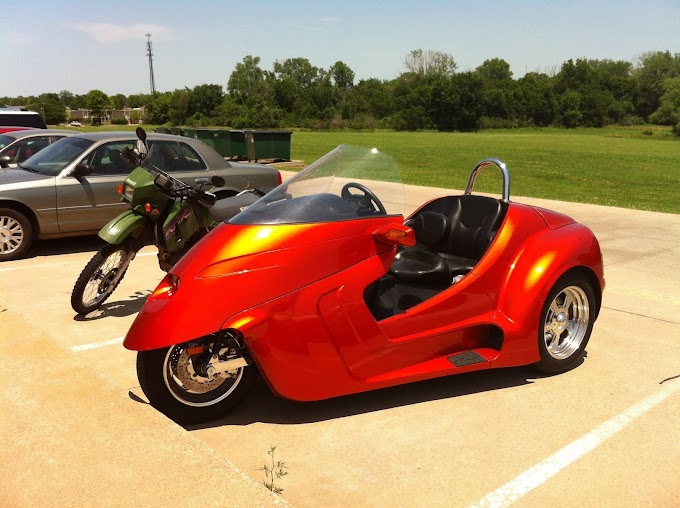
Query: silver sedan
[(70, 187)]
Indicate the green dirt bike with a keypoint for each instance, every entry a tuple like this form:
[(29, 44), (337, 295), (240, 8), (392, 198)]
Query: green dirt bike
[(164, 211)]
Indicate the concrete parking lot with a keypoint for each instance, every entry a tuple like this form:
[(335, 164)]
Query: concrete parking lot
[(76, 431)]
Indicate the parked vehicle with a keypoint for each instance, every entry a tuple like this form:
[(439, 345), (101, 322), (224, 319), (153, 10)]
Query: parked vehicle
[(17, 146), (70, 187), (322, 288), (163, 211), (16, 119)]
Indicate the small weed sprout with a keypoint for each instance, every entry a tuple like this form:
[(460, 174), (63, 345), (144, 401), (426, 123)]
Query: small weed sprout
[(274, 472)]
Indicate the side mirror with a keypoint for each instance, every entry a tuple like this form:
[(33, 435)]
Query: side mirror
[(142, 146), (81, 169), (5, 161)]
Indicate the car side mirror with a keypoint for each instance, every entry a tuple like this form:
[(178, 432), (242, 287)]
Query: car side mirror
[(81, 169), (4, 161)]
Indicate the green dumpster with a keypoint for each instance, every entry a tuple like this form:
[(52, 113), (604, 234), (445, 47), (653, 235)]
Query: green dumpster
[(177, 131), (272, 144), (189, 132), (205, 135), (162, 130), (222, 142), (237, 144)]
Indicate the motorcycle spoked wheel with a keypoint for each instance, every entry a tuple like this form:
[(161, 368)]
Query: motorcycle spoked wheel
[(95, 282), (168, 378)]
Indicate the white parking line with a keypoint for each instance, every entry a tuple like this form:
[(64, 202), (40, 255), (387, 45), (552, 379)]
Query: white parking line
[(540, 473), (54, 265), (95, 345)]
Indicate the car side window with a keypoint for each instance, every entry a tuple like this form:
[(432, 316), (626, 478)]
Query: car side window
[(107, 160), (30, 147), (176, 156)]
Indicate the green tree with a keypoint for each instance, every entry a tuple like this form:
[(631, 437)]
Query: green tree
[(66, 98), (119, 101), (206, 99), (50, 106), (534, 101), (159, 108), (178, 111), (669, 104), (98, 103), (650, 73), (429, 62), (497, 88)]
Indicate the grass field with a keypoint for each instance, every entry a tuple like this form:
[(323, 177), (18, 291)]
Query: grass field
[(630, 167)]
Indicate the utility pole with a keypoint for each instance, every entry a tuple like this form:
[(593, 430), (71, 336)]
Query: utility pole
[(149, 53)]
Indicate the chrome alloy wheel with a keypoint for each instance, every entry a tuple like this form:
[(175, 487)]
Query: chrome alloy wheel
[(11, 234), (566, 322), (193, 388)]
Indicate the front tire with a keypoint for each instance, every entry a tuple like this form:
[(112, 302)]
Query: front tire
[(167, 377), (98, 279), (16, 234), (566, 324)]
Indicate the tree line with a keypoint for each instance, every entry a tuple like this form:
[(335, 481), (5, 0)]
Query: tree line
[(430, 94)]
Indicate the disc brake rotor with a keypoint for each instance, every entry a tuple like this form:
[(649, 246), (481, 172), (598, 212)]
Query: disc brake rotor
[(183, 369)]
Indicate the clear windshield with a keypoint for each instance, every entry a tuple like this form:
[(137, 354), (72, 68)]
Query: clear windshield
[(55, 157), (348, 183)]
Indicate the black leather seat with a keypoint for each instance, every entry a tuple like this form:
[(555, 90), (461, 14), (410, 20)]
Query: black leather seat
[(452, 234), (419, 264), (474, 221)]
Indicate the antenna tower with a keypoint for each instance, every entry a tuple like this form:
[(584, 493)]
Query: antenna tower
[(149, 53)]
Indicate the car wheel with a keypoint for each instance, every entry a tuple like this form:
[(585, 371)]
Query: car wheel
[(16, 234), (168, 378), (566, 324)]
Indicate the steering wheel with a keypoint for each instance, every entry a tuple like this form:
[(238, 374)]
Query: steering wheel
[(368, 202)]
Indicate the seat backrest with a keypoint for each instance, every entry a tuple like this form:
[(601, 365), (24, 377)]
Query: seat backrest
[(429, 228), (474, 222)]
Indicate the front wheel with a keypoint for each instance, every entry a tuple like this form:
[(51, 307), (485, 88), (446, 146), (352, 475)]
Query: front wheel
[(100, 277), (16, 234), (176, 384), (566, 323)]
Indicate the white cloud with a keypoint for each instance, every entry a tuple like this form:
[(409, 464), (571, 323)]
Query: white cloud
[(108, 33)]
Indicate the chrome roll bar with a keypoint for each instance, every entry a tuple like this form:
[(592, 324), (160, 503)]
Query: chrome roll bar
[(491, 162)]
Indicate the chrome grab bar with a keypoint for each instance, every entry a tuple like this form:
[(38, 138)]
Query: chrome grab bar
[(491, 162)]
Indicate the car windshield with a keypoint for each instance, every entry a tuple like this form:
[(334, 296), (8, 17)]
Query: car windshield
[(348, 183), (52, 159), (5, 140)]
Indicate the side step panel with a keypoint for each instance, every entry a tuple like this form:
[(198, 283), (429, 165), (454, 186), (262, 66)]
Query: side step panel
[(466, 358)]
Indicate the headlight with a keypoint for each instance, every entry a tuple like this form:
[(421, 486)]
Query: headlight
[(128, 191)]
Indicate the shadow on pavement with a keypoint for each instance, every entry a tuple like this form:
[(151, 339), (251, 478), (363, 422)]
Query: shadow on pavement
[(261, 405), (69, 245), (120, 308)]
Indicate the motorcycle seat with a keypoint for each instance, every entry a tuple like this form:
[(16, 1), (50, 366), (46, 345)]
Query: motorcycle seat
[(224, 209)]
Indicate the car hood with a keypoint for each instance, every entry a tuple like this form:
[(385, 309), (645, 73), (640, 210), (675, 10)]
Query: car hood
[(15, 176)]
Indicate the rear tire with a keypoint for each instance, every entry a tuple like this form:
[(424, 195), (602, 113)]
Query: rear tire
[(16, 234), (566, 323), (95, 282), (168, 379)]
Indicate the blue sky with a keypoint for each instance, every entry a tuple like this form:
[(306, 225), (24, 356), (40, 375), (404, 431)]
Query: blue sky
[(53, 45)]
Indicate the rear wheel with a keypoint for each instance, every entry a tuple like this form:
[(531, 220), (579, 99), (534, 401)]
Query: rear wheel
[(16, 234), (566, 323), (176, 384), (100, 277)]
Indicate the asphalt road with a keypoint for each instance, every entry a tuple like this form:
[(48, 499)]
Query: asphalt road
[(606, 433)]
